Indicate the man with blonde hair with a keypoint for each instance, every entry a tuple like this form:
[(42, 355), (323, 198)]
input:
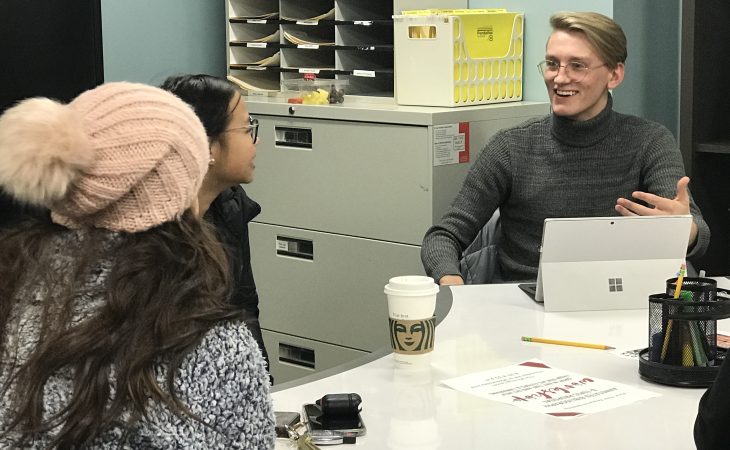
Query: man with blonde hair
[(583, 159)]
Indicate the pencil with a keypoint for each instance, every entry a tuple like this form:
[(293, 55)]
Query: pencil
[(680, 279), (677, 291), (569, 343)]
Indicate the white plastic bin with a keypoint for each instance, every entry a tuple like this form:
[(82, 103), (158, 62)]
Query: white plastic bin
[(458, 57)]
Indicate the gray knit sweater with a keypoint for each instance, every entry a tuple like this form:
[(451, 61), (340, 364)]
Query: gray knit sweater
[(223, 381), (555, 167)]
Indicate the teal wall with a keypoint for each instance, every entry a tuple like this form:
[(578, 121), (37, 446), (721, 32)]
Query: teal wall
[(145, 41), (651, 87)]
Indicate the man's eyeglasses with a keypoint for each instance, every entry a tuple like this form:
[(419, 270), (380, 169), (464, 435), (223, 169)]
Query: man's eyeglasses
[(575, 70), (252, 128)]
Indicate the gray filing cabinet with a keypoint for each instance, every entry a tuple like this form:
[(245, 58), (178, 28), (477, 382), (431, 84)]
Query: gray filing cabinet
[(347, 193)]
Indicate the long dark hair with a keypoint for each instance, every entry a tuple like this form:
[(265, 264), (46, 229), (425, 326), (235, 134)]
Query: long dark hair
[(164, 289), (209, 96)]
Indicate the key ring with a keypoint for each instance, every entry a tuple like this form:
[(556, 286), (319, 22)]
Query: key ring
[(302, 439)]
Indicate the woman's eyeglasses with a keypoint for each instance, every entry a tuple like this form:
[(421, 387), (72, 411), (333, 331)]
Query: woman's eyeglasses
[(252, 128)]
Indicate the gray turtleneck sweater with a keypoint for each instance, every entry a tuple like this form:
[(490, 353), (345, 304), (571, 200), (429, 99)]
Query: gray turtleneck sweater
[(555, 167)]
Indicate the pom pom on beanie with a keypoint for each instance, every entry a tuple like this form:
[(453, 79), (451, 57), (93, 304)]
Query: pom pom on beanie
[(43, 150)]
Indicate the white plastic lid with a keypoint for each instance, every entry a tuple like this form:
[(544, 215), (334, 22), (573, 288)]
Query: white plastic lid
[(411, 285)]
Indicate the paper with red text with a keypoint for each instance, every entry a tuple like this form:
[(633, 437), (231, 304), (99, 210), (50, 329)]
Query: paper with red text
[(535, 386)]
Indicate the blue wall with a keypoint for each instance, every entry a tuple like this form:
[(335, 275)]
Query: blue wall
[(146, 41), (651, 87)]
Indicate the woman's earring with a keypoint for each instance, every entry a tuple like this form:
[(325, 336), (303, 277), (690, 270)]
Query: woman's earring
[(211, 162)]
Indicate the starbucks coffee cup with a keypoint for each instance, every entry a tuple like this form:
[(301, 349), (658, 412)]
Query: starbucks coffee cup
[(411, 306)]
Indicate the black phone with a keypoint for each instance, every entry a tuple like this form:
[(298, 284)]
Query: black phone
[(332, 430)]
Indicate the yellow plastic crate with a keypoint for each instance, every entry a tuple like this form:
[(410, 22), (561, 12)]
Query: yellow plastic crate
[(458, 57)]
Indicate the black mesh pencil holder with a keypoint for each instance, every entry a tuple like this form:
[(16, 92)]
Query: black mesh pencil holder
[(683, 334)]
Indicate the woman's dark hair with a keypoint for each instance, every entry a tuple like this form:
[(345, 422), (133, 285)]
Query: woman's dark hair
[(164, 289), (209, 96)]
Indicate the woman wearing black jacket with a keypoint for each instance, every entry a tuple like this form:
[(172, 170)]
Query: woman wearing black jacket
[(231, 212), (232, 134)]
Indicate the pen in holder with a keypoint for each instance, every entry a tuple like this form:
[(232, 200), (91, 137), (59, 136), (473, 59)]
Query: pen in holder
[(683, 333)]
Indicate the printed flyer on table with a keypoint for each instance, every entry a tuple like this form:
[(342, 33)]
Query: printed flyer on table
[(535, 386)]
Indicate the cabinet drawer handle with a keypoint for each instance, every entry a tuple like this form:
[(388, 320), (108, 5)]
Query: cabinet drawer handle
[(298, 356), (294, 247), (293, 137)]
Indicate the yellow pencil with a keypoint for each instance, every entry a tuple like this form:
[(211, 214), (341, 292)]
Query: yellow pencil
[(680, 279), (677, 291), (570, 343)]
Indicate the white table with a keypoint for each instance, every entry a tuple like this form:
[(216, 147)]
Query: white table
[(482, 331)]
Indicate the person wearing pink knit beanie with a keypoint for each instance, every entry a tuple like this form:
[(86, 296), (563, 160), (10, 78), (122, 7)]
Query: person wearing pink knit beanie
[(124, 157), (115, 329)]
